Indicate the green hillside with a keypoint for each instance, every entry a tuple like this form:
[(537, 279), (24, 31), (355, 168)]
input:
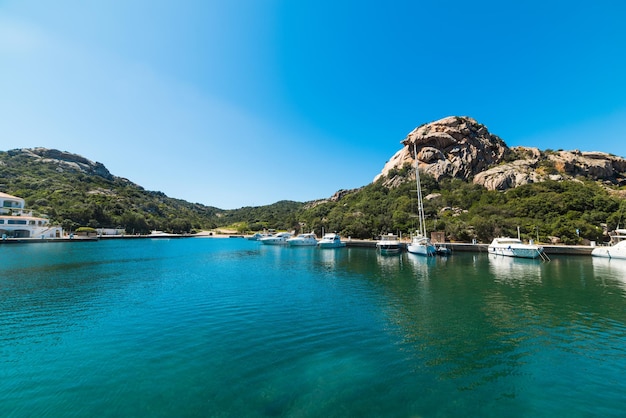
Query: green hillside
[(571, 211), (76, 192)]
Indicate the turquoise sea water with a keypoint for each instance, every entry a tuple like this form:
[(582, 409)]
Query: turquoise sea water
[(230, 328)]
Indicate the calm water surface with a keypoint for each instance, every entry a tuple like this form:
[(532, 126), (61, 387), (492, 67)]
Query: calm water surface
[(230, 328)]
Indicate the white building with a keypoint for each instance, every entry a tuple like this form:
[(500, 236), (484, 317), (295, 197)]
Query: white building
[(16, 222)]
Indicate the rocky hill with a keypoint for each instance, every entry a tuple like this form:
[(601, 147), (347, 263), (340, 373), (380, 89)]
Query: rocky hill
[(466, 167), (64, 161), (460, 147), (75, 191)]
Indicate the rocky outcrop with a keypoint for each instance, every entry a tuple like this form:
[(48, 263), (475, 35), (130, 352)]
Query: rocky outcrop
[(64, 161), (507, 176), (461, 147), (593, 165), (451, 147), (561, 165)]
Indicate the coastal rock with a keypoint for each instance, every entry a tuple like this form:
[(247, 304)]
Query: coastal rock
[(64, 160), (460, 147), (451, 147), (509, 175), (594, 165)]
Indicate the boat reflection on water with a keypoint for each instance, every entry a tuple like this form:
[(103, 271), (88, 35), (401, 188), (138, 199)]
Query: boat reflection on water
[(610, 269), (512, 269), (422, 265), (387, 264), (329, 258)]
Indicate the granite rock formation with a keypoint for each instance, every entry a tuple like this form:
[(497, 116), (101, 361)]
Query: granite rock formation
[(64, 161), (460, 147)]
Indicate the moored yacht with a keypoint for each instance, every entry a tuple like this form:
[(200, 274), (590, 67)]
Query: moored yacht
[(257, 236), (514, 247), (617, 250), (16, 222), (389, 244), (331, 240), (303, 240), (420, 243), (276, 239)]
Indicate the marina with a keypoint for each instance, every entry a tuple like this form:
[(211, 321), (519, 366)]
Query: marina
[(578, 250)]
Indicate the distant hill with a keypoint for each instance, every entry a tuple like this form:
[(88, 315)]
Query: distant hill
[(75, 191), (475, 187)]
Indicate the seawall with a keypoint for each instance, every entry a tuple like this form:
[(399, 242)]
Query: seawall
[(483, 248)]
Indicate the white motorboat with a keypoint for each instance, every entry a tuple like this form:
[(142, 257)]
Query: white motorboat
[(617, 250), (389, 244), (420, 243), (257, 236), (331, 240), (276, 239), (303, 240), (514, 247)]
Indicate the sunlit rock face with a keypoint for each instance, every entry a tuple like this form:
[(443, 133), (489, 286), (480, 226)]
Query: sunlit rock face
[(460, 147), (64, 160)]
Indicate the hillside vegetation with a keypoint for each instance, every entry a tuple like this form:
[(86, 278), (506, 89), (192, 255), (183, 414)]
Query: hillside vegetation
[(76, 192), (571, 211)]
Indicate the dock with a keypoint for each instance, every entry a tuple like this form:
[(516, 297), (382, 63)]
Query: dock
[(45, 240), (483, 248), (584, 250)]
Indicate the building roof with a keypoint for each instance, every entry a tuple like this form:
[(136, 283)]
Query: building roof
[(8, 196)]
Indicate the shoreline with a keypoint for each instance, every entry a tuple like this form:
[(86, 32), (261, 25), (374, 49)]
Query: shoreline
[(584, 250)]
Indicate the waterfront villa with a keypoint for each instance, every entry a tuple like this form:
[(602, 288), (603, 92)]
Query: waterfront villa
[(16, 222)]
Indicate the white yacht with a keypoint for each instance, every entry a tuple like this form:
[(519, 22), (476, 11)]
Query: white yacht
[(331, 240), (279, 238), (257, 236), (16, 222), (514, 247), (420, 243), (303, 240), (617, 250), (389, 244)]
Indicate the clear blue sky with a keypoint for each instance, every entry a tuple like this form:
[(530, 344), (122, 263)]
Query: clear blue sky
[(236, 103)]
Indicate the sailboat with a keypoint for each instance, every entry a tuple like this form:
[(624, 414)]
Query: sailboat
[(420, 243)]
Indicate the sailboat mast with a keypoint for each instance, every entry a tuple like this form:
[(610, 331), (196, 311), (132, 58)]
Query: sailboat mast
[(420, 205)]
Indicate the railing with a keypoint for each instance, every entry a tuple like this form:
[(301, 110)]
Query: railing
[(15, 212)]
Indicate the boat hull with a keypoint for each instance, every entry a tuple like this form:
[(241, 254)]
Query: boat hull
[(331, 245), (278, 239), (424, 249), (299, 243), (514, 247), (273, 241), (521, 252), (389, 244), (331, 240), (617, 251)]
